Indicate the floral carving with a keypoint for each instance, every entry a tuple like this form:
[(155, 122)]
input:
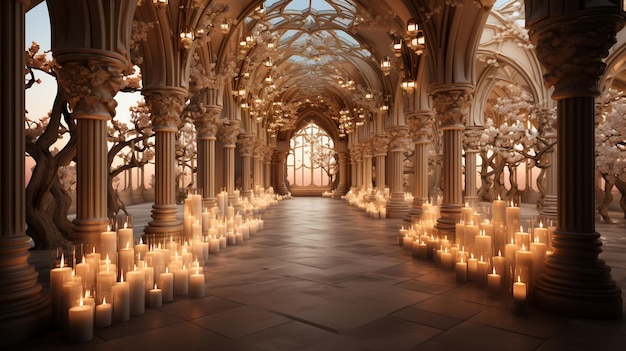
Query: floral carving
[(379, 144), (452, 107), (246, 144), (471, 140), (399, 139), (229, 132), (165, 107), (90, 86), (421, 127)]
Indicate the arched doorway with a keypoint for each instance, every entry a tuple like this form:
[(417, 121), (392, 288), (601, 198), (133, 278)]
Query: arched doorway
[(311, 164)]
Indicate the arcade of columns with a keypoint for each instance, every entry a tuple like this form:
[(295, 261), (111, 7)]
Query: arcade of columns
[(571, 41)]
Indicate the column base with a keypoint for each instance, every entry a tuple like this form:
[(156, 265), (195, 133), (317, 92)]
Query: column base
[(575, 283), (472, 200), (164, 224), (209, 202), (450, 216), (24, 308), (340, 191), (397, 207), (413, 216), (87, 231), (549, 206)]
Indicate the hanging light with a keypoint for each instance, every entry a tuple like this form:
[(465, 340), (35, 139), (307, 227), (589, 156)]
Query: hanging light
[(369, 96), (385, 65), (186, 38), (249, 40), (412, 27), (397, 47), (242, 42), (268, 62), (242, 92), (259, 11), (408, 84), (160, 4), (225, 26)]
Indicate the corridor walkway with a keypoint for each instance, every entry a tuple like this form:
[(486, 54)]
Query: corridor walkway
[(323, 276)]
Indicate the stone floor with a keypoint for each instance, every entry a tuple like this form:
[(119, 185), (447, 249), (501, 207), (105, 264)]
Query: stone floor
[(323, 276)]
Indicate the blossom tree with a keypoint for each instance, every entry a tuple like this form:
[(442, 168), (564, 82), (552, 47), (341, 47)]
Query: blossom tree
[(611, 151)]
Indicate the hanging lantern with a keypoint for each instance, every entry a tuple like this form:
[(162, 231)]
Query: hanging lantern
[(385, 65)]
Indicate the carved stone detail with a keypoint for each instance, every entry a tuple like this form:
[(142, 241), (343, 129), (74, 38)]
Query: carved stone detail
[(572, 54), (452, 107), (90, 86), (165, 106), (366, 149), (206, 118), (246, 144), (356, 154), (379, 144), (421, 127), (229, 132), (471, 139), (399, 139)]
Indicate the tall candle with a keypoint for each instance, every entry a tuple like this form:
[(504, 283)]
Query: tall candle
[(470, 233), (141, 250), (72, 293), (494, 281), (483, 245), (126, 259), (125, 237), (538, 250), (58, 276), (120, 301), (472, 268), (166, 282), (214, 245), (524, 258), (482, 269), (196, 285), (105, 281), (108, 245), (156, 297), (461, 271), (522, 238), (136, 291), (512, 217), (446, 259), (88, 275), (498, 210), (181, 281), (499, 263), (104, 314), (80, 320)]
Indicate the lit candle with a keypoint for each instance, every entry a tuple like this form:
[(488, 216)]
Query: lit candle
[(446, 259), (466, 213), (125, 237), (196, 285), (538, 250), (88, 276), (80, 327), (141, 249), (522, 238), (519, 291), (58, 276), (222, 242), (166, 282), (108, 245), (509, 260), (470, 233), (407, 242), (512, 216), (483, 245), (460, 233), (126, 259), (494, 281), (482, 268), (104, 282), (120, 301), (472, 268), (422, 250), (524, 258), (181, 281), (498, 210), (136, 291), (214, 245), (461, 271), (104, 314), (156, 297), (498, 263)]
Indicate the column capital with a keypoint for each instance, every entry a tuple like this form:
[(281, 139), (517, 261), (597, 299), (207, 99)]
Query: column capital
[(229, 131), (471, 139), (572, 50), (366, 148), (246, 144), (356, 153), (452, 106), (90, 83), (165, 104), (399, 139), (379, 144), (421, 126), (206, 118)]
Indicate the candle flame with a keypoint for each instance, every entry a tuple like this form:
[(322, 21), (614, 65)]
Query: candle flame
[(121, 278), (127, 245), (83, 259), (540, 224), (519, 279), (494, 270), (523, 247), (87, 294), (166, 270), (472, 256), (135, 267), (81, 301), (62, 260), (499, 253), (155, 286), (140, 240), (521, 228), (481, 258), (536, 239), (104, 300)]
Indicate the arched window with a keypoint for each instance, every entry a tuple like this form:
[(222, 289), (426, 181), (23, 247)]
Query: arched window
[(311, 162)]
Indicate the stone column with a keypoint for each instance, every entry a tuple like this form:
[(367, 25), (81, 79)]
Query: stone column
[(342, 187), (367, 167), (547, 125), (451, 104), (229, 133), (257, 169), (420, 127), (246, 144), (267, 167), (281, 160), (379, 150), (24, 309), (355, 159), (165, 105), (399, 143), (571, 48), (471, 143), (207, 122)]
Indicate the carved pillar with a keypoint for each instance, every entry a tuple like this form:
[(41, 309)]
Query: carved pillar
[(452, 106), (257, 170), (367, 166), (547, 125), (399, 144), (574, 281), (379, 150), (281, 176), (229, 133), (420, 127), (207, 121), (356, 159), (471, 143), (24, 308), (246, 146), (166, 105), (342, 187), (267, 167)]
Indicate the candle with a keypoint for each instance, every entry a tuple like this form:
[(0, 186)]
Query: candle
[(125, 237), (538, 250), (483, 245), (58, 276), (512, 216), (196, 285), (166, 282), (446, 259), (498, 209), (141, 249), (509, 260), (470, 234), (104, 282), (84, 270), (80, 319), (214, 245), (126, 259), (461, 271), (494, 281), (522, 238), (498, 263), (108, 245), (422, 250), (524, 258), (120, 301), (482, 269), (519, 292), (472, 268), (407, 242), (222, 242), (104, 313), (156, 297), (231, 212), (466, 213), (72, 294), (206, 219), (136, 291), (181, 281), (486, 227), (460, 233)]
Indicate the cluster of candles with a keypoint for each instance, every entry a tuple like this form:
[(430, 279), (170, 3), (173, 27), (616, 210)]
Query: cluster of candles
[(122, 278), (374, 203), (497, 254)]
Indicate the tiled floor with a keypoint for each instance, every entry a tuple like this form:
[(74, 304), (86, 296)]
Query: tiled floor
[(323, 276)]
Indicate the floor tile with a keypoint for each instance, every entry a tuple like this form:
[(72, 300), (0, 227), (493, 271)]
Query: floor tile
[(472, 336), (240, 321)]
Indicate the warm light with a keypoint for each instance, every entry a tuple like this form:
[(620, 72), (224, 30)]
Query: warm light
[(259, 11), (385, 65), (225, 26), (186, 38), (411, 26), (408, 85), (397, 47), (160, 4), (242, 92), (369, 96), (268, 62)]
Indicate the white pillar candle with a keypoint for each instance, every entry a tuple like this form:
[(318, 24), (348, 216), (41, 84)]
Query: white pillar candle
[(498, 211), (494, 282), (141, 250), (509, 260), (524, 258), (214, 245), (472, 268), (231, 212), (232, 239), (148, 280), (482, 270), (166, 282), (206, 220), (245, 230), (72, 293), (126, 260), (538, 250), (513, 217), (460, 233), (84, 270), (222, 242), (498, 263), (522, 238), (483, 245), (136, 291), (196, 285), (181, 281), (407, 242), (461, 271), (470, 232), (156, 297), (108, 246), (104, 282), (125, 237), (80, 327), (58, 276), (446, 259), (120, 301), (519, 293), (466, 213), (104, 314)]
